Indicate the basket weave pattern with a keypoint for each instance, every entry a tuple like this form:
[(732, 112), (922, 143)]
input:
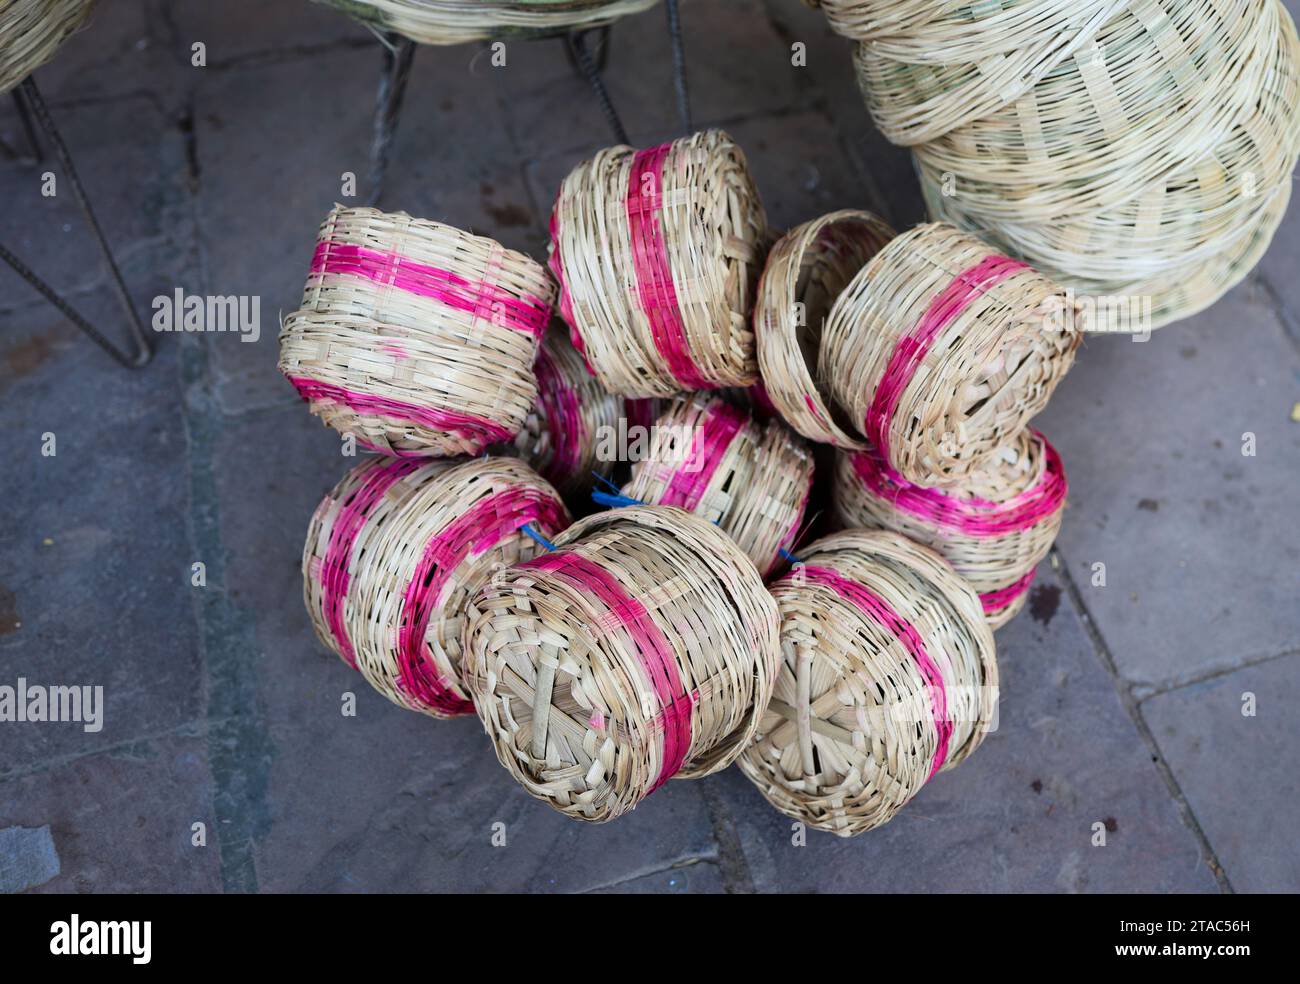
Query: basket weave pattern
[(1127, 148), (806, 272), (642, 648), (414, 337), (888, 676), (657, 253), (561, 437), (394, 555), (710, 458), (993, 529), (31, 31), (944, 350), (462, 21)]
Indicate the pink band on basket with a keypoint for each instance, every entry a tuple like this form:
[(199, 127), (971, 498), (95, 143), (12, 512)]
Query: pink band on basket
[(559, 404), (654, 277), (640, 412), (972, 515), (654, 651), (709, 443), (485, 431), (879, 610), (334, 573), (944, 309), (995, 601), (479, 528), (483, 300)]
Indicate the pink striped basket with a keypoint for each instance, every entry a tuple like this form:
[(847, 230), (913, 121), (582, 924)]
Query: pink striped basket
[(394, 554), (888, 676), (641, 649), (941, 350), (710, 457), (994, 528), (657, 253), (414, 337), (564, 437)]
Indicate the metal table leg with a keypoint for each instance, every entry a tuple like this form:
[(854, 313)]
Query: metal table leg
[(679, 65), (398, 53), (581, 56), (33, 104)]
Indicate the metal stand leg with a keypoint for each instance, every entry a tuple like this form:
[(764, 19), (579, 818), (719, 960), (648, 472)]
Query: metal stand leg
[(398, 52), (581, 56), (36, 154), (143, 351), (679, 65)]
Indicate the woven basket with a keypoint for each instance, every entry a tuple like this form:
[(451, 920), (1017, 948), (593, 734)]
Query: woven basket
[(462, 21), (657, 253), (1166, 83), (396, 552), (993, 529), (1188, 229), (416, 338), (806, 272), (971, 60), (641, 649), (561, 437), (944, 350), (31, 31), (888, 676), (709, 457)]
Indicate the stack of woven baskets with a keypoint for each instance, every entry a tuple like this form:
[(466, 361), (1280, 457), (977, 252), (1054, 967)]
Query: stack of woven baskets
[(1138, 151), (641, 643)]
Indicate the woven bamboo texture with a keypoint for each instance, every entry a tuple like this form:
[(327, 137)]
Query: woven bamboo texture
[(445, 22), (31, 31), (888, 675), (806, 272), (1182, 229), (710, 457), (562, 437), (658, 253), (415, 337), (395, 554), (993, 529), (1136, 150), (944, 350), (643, 648)]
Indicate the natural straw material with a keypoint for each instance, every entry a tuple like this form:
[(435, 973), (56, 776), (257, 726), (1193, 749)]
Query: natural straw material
[(943, 349), (31, 31), (394, 555), (994, 528), (415, 337), (806, 272), (888, 676), (461, 21), (642, 648), (564, 436), (1163, 83), (710, 457), (658, 253)]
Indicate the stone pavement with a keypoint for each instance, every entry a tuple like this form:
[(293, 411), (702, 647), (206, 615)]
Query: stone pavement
[(1122, 704)]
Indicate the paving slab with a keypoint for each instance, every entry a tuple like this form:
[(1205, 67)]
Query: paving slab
[(121, 820), (1199, 563), (1018, 815), (737, 66), (96, 555), (131, 162), (1230, 742)]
